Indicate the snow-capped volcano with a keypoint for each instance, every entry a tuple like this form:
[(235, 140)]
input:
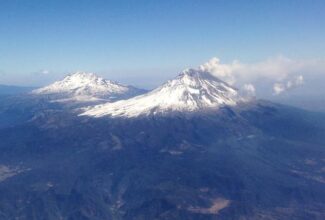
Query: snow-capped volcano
[(87, 86), (190, 91)]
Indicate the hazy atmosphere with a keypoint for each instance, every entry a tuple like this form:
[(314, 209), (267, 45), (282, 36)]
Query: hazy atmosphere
[(162, 110)]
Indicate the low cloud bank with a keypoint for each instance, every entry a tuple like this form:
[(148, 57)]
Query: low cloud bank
[(281, 73)]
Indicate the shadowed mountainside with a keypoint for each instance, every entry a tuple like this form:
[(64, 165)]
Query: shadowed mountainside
[(257, 161)]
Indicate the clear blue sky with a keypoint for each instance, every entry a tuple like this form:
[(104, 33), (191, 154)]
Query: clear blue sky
[(126, 39)]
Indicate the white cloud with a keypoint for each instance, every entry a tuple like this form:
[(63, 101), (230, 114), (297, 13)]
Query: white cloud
[(249, 89), (281, 72), (45, 72), (297, 81), (223, 71), (41, 73), (279, 88)]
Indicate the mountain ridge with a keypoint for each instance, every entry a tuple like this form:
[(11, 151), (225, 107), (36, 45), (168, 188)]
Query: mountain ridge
[(190, 91), (83, 86), (14, 90)]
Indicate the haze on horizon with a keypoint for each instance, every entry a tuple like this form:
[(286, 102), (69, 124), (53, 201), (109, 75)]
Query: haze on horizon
[(270, 48)]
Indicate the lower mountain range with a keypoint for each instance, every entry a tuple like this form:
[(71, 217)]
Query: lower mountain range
[(10, 90), (201, 153)]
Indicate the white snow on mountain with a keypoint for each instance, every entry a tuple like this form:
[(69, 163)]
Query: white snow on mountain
[(192, 90), (82, 86)]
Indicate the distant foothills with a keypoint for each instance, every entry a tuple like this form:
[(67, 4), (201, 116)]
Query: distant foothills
[(11, 90)]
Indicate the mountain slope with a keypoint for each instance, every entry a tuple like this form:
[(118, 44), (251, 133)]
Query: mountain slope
[(259, 161), (192, 90), (241, 160), (74, 91), (83, 86)]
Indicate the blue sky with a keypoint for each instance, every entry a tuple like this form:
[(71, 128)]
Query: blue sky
[(147, 41)]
